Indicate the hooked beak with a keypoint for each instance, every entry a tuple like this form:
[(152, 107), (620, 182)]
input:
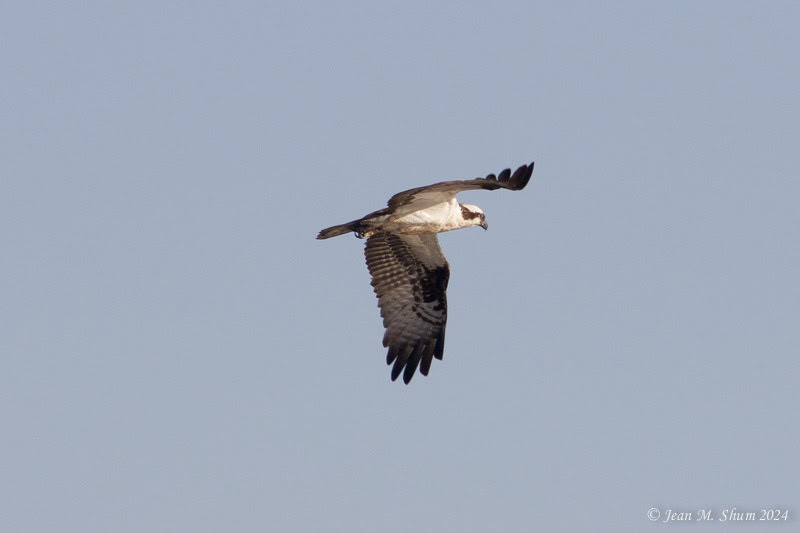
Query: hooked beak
[(484, 225)]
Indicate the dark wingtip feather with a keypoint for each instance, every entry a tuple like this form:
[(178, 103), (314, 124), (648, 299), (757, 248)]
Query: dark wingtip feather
[(412, 363), (521, 176), (425, 365), (438, 351), (397, 369)]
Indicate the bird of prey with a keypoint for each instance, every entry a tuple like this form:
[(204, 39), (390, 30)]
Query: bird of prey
[(409, 272)]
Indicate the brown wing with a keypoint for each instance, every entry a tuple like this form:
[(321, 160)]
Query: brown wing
[(423, 197), (409, 275)]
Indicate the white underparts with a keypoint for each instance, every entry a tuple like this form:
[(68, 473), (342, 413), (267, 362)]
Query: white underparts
[(441, 217)]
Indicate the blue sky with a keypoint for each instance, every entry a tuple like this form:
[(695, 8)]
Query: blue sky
[(180, 354)]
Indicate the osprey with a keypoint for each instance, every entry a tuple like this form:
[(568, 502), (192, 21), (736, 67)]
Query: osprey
[(409, 272)]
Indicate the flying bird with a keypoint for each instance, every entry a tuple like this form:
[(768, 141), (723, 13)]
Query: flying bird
[(409, 271)]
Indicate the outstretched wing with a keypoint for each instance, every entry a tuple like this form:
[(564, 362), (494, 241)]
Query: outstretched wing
[(409, 275), (424, 197)]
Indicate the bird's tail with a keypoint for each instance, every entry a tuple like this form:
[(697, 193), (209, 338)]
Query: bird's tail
[(341, 229)]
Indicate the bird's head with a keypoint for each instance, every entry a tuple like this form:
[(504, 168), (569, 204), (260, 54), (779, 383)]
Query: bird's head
[(473, 216)]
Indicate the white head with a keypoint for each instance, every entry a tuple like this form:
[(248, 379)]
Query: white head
[(473, 216)]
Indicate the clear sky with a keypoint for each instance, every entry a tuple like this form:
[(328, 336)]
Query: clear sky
[(180, 354)]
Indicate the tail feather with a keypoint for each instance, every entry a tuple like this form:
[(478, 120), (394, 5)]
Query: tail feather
[(335, 231)]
